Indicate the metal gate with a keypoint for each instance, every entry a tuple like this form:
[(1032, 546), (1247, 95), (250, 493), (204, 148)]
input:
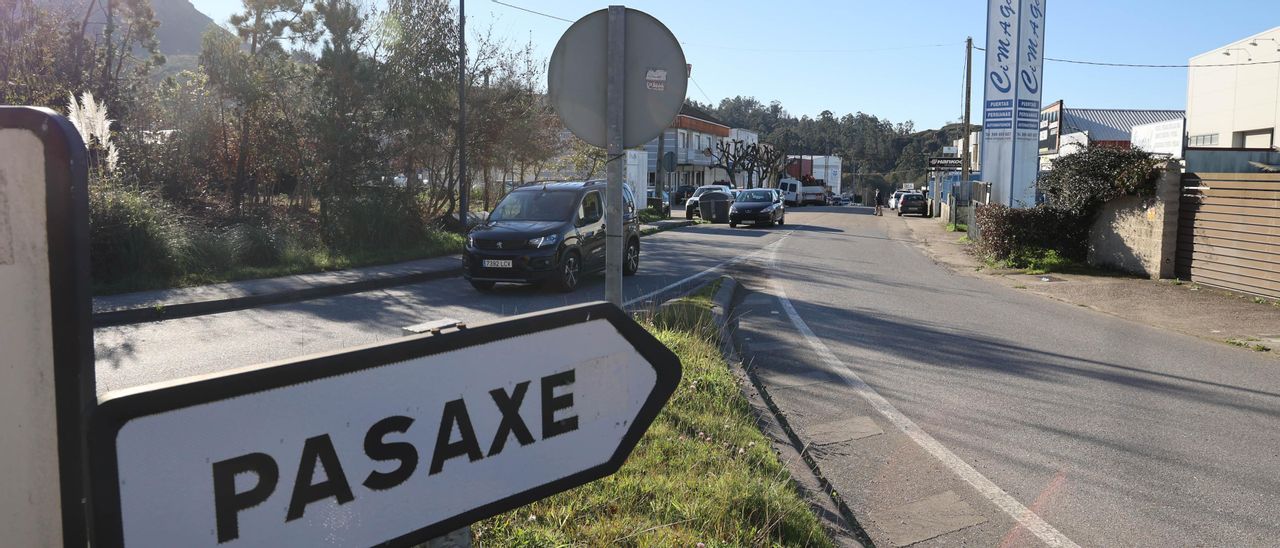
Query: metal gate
[(1229, 231)]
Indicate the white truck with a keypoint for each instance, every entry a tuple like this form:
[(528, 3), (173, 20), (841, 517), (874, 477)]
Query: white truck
[(797, 193)]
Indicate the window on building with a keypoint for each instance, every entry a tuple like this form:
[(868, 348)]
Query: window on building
[(1206, 140), (684, 139)]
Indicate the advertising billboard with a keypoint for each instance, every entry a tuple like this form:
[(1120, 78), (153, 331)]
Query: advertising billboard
[(1163, 138)]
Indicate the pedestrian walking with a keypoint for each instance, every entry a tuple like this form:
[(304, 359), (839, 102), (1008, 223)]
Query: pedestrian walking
[(879, 203)]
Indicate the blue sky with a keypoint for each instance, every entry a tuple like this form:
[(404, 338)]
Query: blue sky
[(901, 59)]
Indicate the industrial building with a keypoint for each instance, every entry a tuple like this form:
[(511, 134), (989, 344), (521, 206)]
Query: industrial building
[(1233, 94)]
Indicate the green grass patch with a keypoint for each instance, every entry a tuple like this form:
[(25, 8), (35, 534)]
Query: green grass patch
[(1046, 262), (957, 227), (651, 216), (702, 473), (965, 240), (1037, 262), (1252, 343)]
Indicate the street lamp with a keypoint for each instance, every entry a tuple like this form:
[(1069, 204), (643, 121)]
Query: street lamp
[(1246, 53), (1255, 41)]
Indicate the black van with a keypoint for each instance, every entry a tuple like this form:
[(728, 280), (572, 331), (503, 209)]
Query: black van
[(549, 233)]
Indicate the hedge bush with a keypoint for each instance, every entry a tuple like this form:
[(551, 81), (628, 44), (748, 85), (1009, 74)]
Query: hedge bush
[(1008, 233), (1080, 183), (1075, 190), (133, 233)]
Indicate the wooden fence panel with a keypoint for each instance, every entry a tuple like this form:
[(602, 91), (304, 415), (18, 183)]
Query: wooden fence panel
[(1229, 231)]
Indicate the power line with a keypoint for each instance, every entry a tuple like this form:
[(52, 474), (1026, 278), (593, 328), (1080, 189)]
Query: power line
[(733, 48), (704, 94), (1143, 65), (865, 50), (558, 18)]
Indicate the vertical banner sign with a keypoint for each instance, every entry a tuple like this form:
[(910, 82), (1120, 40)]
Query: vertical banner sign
[(1011, 99), (1026, 158), (46, 375)]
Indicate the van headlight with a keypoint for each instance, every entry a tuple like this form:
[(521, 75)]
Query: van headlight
[(544, 241)]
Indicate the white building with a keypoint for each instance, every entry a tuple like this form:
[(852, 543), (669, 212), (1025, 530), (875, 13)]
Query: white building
[(746, 137), (975, 149), (690, 141), (1236, 105)]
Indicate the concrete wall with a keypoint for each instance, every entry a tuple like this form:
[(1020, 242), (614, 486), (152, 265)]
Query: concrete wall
[(1140, 235)]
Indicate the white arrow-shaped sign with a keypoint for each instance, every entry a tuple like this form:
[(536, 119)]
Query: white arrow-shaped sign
[(392, 443)]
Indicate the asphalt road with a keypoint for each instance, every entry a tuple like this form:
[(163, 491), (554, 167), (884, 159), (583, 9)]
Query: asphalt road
[(133, 355), (1114, 432)]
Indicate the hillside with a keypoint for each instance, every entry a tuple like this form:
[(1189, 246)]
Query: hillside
[(181, 26)]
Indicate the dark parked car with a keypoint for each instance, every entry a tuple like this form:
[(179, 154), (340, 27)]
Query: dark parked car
[(683, 192), (660, 202), (913, 202), (758, 206), (551, 233)]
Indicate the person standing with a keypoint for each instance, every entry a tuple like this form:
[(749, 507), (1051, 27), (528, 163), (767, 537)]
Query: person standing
[(879, 203)]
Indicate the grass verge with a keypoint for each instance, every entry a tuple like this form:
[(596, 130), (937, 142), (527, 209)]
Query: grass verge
[(957, 227), (650, 216), (703, 473), (293, 259)]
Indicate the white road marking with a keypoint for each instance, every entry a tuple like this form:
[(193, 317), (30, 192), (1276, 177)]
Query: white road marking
[(771, 248), (1016, 510)]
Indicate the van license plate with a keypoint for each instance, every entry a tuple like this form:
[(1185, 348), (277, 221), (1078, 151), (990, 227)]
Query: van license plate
[(497, 263)]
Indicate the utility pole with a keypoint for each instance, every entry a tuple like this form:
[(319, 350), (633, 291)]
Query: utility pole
[(965, 187), (464, 187)]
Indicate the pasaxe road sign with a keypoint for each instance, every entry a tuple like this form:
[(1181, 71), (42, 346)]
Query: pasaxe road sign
[(945, 163), (390, 444)]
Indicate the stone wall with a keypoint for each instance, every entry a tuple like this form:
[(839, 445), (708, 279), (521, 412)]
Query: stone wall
[(1139, 235)]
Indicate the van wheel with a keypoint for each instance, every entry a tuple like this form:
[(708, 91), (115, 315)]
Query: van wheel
[(631, 258), (569, 273)]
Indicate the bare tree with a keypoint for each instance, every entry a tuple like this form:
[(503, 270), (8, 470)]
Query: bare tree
[(730, 156), (769, 162)]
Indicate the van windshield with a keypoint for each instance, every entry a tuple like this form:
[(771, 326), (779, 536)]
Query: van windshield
[(547, 205)]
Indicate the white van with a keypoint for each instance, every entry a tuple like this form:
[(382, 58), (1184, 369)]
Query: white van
[(795, 192)]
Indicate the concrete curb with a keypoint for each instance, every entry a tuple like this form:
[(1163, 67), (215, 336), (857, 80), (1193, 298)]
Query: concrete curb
[(788, 440), (807, 478), (721, 306), (174, 310)]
